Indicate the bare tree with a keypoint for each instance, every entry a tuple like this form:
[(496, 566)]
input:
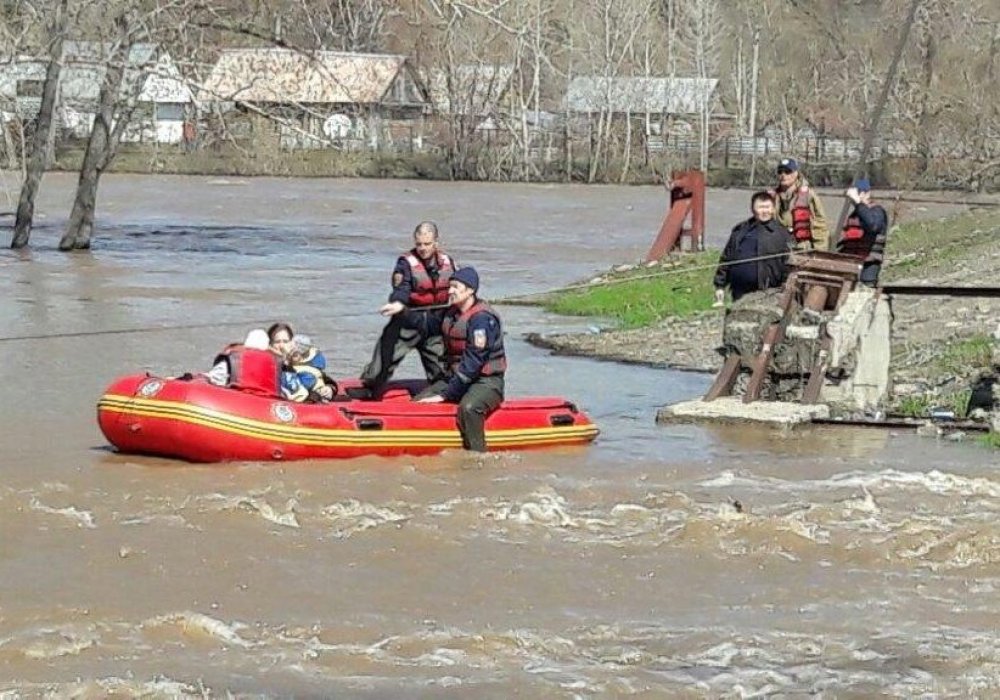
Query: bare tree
[(702, 32), (43, 129), (123, 80), (104, 137), (345, 25), (610, 30)]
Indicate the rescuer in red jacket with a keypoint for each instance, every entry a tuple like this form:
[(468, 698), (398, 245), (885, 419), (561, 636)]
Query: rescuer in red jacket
[(416, 306)]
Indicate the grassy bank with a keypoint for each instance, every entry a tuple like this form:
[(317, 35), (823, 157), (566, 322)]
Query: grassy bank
[(926, 251), (642, 296), (961, 358)]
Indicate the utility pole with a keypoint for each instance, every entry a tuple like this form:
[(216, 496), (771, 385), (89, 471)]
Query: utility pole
[(754, 67), (871, 128)]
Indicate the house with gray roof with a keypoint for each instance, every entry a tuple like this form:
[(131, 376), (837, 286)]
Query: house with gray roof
[(640, 95)]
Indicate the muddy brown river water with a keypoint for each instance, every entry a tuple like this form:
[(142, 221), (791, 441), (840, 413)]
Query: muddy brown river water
[(859, 563)]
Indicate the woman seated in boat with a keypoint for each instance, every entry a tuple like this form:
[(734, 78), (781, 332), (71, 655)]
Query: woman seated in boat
[(279, 336), (308, 364), (250, 366)]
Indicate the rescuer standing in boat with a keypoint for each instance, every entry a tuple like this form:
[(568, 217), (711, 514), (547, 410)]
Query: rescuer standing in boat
[(865, 231), (473, 340), (416, 306), (799, 208)]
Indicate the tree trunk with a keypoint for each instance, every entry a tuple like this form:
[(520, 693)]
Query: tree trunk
[(928, 56), (40, 139), (9, 145), (100, 151), (627, 164)]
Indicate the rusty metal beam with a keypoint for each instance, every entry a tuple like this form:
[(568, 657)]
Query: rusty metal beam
[(939, 291), (687, 200), (896, 423), (723, 384)]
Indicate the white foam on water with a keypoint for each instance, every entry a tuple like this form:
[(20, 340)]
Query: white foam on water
[(256, 504), (352, 517), (543, 507), (113, 686), (933, 481), (446, 507), (546, 508), (82, 518), (443, 657), (57, 642), (198, 623), (154, 519)]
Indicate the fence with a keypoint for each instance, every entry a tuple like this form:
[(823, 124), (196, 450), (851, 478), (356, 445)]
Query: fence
[(814, 148)]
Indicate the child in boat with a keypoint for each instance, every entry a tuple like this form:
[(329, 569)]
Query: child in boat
[(308, 364)]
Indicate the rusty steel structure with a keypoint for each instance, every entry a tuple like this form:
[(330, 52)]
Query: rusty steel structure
[(921, 290), (687, 201), (818, 282)]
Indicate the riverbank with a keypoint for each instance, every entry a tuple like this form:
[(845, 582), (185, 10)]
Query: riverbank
[(939, 344), (233, 159)]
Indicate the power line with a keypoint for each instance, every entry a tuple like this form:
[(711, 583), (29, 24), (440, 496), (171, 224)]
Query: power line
[(519, 299)]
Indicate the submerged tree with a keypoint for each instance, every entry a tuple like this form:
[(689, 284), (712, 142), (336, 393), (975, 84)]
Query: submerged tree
[(126, 70), (104, 137), (43, 128)]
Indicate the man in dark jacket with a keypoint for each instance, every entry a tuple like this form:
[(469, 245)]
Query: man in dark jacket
[(865, 231), (755, 257), (416, 306)]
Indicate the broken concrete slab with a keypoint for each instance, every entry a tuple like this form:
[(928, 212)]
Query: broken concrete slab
[(731, 409)]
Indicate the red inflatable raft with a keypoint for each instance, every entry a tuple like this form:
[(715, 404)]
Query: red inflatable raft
[(196, 421)]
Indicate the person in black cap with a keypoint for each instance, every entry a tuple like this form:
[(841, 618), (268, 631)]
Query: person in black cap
[(799, 208), (865, 231), (415, 309), (473, 340)]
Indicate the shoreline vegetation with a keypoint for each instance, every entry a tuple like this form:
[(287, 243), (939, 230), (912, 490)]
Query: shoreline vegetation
[(232, 160), (939, 345)]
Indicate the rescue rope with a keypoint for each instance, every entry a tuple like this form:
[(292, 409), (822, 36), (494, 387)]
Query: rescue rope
[(521, 299), (513, 300), (182, 327), (125, 331)]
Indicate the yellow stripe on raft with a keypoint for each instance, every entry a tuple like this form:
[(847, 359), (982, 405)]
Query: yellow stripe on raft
[(207, 417), (346, 438), (248, 427)]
